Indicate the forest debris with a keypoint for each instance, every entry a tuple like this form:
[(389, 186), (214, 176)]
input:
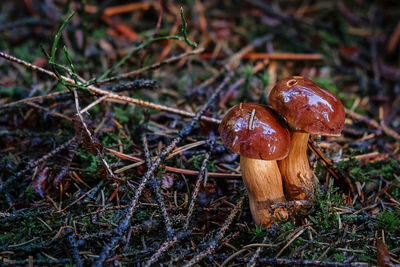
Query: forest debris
[(343, 181), (394, 39), (283, 56), (299, 38), (382, 254), (111, 11)]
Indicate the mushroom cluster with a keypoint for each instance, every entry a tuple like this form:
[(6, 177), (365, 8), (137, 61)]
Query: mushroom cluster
[(272, 151)]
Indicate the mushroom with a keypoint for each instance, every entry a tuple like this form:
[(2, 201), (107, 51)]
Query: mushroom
[(253, 132), (307, 109)]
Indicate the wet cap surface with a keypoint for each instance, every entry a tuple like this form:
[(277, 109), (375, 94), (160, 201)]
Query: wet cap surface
[(252, 131), (307, 107)]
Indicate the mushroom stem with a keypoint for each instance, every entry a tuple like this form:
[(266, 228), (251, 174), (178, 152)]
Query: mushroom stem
[(295, 169), (264, 186)]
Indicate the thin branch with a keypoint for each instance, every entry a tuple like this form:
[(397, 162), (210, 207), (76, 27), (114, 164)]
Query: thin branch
[(164, 247), (53, 113), (172, 169), (256, 255), (32, 99), (149, 41), (94, 103), (110, 95), (154, 183), (389, 131), (213, 243), (125, 222), (362, 118), (89, 134), (152, 67), (200, 178), (299, 262), (73, 245), (32, 164), (177, 237)]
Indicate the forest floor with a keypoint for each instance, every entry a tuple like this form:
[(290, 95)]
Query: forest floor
[(109, 149)]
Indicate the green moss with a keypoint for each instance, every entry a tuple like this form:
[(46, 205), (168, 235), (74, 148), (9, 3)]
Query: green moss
[(123, 114), (324, 217), (366, 258), (29, 194), (349, 218), (328, 37), (388, 221), (29, 51), (311, 256), (93, 112), (287, 226), (264, 77), (257, 234), (13, 92), (28, 228), (327, 83), (197, 161), (339, 257), (99, 33), (388, 170), (369, 171), (89, 162)]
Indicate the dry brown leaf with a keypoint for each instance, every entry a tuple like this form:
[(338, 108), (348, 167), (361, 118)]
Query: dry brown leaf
[(382, 254)]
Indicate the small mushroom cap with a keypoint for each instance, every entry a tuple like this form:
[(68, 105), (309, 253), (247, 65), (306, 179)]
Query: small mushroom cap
[(307, 107), (252, 131)]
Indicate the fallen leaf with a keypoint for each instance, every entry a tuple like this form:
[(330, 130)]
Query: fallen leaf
[(382, 254)]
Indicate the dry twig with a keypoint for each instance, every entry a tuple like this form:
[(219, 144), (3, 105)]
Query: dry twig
[(124, 223)]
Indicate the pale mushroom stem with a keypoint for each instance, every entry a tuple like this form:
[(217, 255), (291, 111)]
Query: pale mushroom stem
[(295, 169), (264, 186)]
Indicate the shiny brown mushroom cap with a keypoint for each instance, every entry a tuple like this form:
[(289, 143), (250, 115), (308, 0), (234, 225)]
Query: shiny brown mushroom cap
[(307, 107), (252, 131)]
